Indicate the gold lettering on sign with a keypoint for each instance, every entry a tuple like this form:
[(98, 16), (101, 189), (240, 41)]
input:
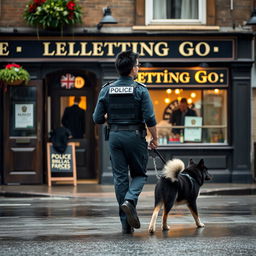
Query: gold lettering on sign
[(147, 48), (141, 77), (185, 49), (185, 77), (124, 46), (135, 47), (61, 49), (4, 49), (199, 51), (164, 77), (47, 50), (202, 77), (97, 49), (181, 77), (161, 49), (71, 50), (110, 47), (84, 49)]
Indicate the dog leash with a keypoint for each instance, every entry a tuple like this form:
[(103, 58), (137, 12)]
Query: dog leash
[(154, 162), (191, 179), (160, 156)]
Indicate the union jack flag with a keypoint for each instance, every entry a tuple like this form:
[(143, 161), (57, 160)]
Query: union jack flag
[(67, 81)]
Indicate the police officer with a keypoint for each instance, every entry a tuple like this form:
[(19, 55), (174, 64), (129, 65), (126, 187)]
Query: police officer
[(127, 108)]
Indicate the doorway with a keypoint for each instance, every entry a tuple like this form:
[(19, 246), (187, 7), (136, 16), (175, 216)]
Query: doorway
[(63, 89), (22, 140)]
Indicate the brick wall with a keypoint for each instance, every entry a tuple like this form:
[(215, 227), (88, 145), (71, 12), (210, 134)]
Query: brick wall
[(123, 11), (241, 12)]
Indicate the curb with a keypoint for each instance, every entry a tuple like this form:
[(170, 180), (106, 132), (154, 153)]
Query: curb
[(230, 192)]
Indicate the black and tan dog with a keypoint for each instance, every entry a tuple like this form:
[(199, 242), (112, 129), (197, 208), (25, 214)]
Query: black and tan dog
[(178, 186)]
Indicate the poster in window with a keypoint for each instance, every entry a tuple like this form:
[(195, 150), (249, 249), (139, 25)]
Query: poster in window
[(24, 116), (193, 130)]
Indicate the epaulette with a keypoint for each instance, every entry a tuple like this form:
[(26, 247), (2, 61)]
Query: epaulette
[(106, 84), (141, 84)]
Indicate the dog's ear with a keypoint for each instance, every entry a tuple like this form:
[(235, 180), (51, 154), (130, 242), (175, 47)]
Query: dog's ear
[(191, 161), (201, 163)]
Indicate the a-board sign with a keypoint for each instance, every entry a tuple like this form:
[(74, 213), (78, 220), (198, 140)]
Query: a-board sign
[(61, 166)]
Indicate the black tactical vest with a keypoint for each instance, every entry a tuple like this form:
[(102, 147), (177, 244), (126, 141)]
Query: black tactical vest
[(123, 108)]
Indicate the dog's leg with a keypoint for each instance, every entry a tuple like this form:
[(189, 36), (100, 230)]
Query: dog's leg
[(193, 209), (164, 220), (152, 225)]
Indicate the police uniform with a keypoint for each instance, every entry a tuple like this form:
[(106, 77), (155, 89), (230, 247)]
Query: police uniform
[(128, 107)]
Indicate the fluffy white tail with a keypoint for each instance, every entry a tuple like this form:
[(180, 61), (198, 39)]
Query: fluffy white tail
[(172, 169)]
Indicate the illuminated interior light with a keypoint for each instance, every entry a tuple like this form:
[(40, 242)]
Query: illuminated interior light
[(190, 101), (193, 95), (156, 102), (216, 91), (179, 98), (169, 91), (177, 91), (167, 100)]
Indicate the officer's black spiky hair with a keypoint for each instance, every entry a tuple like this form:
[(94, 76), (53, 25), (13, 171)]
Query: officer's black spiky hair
[(125, 61)]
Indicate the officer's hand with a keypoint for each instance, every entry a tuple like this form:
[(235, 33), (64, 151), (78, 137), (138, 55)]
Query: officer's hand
[(153, 143)]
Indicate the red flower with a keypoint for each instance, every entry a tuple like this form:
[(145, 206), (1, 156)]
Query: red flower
[(32, 7), (39, 2), (9, 66), (71, 15), (71, 5)]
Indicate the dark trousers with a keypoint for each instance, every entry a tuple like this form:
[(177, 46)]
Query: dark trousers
[(128, 151)]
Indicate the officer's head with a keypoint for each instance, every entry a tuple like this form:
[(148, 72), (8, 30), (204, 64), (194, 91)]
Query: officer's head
[(127, 63)]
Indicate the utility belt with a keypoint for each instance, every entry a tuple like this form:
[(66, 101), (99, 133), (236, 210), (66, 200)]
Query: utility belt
[(129, 127), (139, 128)]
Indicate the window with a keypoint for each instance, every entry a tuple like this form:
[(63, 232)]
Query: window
[(22, 111), (175, 12), (205, 120)]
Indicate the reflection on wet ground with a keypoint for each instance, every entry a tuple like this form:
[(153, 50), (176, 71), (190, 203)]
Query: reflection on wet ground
[(90, 226)]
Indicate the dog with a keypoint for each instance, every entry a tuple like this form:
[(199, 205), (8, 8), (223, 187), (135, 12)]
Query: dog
[(178, 185)]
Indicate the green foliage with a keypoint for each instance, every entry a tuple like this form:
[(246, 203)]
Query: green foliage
[(52, 13), (9, 75)]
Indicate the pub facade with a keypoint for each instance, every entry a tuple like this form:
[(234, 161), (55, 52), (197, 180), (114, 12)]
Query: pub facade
[(210, 68)]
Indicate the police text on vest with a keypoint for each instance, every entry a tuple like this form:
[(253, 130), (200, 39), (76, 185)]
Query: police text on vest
[(121, 90)]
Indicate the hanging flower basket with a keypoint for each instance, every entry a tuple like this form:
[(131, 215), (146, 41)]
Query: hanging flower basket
[(50, 14), (16, 82), (13, 74)]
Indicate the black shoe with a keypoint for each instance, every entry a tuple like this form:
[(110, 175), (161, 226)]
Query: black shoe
[(131, 214), (128, 230)]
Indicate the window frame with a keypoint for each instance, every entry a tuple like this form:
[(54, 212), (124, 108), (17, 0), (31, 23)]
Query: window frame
[(200, 21)]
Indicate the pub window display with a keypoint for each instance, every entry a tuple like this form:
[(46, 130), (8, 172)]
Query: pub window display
[(190, 116)]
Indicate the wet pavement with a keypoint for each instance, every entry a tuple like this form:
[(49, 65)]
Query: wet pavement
[(92, 189), (89, 225)]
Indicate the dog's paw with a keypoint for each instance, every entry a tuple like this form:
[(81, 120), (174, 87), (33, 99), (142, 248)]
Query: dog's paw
[(151, 230), (200, 225), (165, 227)]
